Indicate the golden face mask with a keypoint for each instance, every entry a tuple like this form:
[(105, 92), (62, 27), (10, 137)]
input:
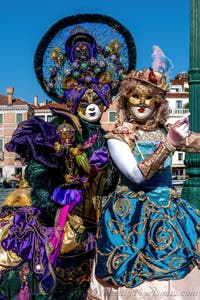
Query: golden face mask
[(141, 96)]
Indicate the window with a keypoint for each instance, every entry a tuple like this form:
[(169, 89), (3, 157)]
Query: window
[(18, 171), (179, 90), (179, 104), (1, 144), (19, 118), (49, 118), (1, 149), (112, 116), (181, 172), (180, 156), (1, 118)]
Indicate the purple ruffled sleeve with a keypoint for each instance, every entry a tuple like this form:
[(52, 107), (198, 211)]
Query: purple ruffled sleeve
[(34, 139), (65, 196), (99, 158)]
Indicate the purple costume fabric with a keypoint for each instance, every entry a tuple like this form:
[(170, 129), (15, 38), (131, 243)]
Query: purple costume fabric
[(34, 139), (29, 240), (99, 158), (66, 196), (74, 95)]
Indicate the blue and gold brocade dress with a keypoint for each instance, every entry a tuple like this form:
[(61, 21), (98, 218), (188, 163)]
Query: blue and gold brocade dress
[(146, 231)]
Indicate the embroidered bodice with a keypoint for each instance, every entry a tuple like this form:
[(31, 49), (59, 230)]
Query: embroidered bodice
[(142, 148)]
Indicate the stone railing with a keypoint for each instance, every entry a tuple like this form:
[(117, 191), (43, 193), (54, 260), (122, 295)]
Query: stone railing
[(178, 111)]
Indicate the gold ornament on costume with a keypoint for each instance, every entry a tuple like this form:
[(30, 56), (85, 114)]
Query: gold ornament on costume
[(57, 146), (73, 228), (55, 55), (66, 133), (66, 136), (115, 45), (106, 77), (154, 78), (9, 259), (69, 178), (75, 151), (69, 83), (81, 110), (198, 246)]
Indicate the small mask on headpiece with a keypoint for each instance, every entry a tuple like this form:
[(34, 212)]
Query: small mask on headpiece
[(80, 47), (92, 67)]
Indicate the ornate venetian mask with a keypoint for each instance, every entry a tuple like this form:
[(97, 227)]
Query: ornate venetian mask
[(90, 107), (141, 103)]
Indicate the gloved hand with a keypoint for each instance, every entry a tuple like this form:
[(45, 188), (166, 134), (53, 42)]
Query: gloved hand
[(179, 131)]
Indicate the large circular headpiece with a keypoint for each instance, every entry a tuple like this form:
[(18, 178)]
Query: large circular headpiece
[(83, 50)]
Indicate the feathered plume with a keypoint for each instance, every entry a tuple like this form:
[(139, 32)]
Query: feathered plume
[(161, 63)]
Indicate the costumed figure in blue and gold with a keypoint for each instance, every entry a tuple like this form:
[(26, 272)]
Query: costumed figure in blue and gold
[(148, 237), (48, 242)]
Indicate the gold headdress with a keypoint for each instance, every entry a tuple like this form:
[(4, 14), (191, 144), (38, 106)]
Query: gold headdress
[(149, 76), (158, 75)]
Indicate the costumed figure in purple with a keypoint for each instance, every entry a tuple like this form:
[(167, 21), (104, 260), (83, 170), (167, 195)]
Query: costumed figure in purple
[(148, 237), (48, 242)]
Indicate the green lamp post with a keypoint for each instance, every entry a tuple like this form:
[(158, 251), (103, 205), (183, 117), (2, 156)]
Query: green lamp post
[(191, 187)]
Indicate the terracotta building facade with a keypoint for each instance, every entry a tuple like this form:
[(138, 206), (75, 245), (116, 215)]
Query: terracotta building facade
[(12, 112)]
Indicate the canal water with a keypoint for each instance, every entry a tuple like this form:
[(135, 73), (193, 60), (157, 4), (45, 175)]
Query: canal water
[(4, 193)]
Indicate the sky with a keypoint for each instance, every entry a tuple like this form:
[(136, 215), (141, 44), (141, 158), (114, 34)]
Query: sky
[(151, 22)]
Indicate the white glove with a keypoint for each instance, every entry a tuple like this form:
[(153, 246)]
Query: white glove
[(125, 160), (179, 130)]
